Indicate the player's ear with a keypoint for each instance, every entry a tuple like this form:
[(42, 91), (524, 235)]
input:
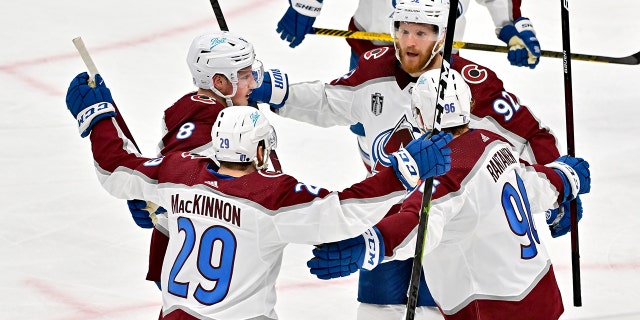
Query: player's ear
[(220, 82), (260, 154)]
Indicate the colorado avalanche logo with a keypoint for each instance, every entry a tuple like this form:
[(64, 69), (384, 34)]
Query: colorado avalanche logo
[(473, 74), (390, 141), (376, 103)]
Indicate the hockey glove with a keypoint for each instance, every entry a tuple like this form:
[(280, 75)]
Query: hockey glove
[(298, 20), (575, 175), (342, 258), (559, 220), (144, 213), (89, 105), (524, 48), (274, 89), (421, 159)]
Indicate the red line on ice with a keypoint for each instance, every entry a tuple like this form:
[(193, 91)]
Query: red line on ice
[(15, 69)]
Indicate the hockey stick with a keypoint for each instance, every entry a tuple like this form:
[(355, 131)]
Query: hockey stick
[(219, 16), (222, 23), (633, 59), (568, 102), (416, 268), (84, 54)]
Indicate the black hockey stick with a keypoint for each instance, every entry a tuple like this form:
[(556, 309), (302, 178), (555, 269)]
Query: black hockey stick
[(633, 59), (416, 269), (219, 16), (568, 102), (222, 23)]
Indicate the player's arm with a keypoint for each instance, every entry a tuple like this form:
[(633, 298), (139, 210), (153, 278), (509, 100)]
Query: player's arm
[(493, 104), (394, 237), (314, 102), (332, 216), (120, 169)]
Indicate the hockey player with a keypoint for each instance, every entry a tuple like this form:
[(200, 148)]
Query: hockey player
[(373, 16), (225, 70), (375, 100), (482, 258), (229, 220)]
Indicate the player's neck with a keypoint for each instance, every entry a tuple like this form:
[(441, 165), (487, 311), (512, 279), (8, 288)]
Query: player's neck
[(233, 172)]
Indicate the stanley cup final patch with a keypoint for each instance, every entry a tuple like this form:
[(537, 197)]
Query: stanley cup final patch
[(376, 103)]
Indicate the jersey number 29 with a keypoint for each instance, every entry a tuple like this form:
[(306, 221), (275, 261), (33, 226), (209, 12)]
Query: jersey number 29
[(213, 237)]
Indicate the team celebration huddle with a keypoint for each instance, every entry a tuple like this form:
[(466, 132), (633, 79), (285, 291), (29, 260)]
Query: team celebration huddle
[(457, 170)]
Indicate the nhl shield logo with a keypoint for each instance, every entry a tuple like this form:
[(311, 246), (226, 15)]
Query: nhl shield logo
[(376, 103)]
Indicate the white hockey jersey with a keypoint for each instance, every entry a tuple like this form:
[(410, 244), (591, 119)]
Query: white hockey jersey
[(483, 258), (227, 235), (376, 98)]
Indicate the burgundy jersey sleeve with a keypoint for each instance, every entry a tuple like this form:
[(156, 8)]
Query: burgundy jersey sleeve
[(492, 103)]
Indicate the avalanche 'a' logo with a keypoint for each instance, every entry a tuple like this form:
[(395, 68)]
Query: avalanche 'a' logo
[(390, 141)]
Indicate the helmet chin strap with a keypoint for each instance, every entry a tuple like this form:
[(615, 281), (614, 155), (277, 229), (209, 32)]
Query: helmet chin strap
[(438, 45), (227, 98)]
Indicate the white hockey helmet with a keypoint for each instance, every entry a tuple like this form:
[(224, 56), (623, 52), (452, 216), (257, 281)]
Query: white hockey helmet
[(434, 12), (222, 53), (456, 103), (238, 131)]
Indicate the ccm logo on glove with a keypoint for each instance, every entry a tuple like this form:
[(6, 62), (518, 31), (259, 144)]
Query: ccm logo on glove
[(372, 257)]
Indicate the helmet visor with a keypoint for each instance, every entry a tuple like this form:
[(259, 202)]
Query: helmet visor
[(251, 76), (257, 71), (417, 31)]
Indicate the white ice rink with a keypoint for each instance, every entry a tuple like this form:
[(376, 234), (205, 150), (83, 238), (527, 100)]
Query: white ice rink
[(69, 251)]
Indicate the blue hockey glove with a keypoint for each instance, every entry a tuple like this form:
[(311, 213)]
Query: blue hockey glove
[(575, 175), (89, 105), (524, 48), (298, 21), (559, 220), (422, 158), (342, 258), (274, 89), (144, 212)]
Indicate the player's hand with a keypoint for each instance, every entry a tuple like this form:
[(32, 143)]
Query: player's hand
[(559, 220), (144, 213), (274, 89), (575, 175), (422, 158), (524, 48), (89, 105), (298, 20), (342, 258)]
